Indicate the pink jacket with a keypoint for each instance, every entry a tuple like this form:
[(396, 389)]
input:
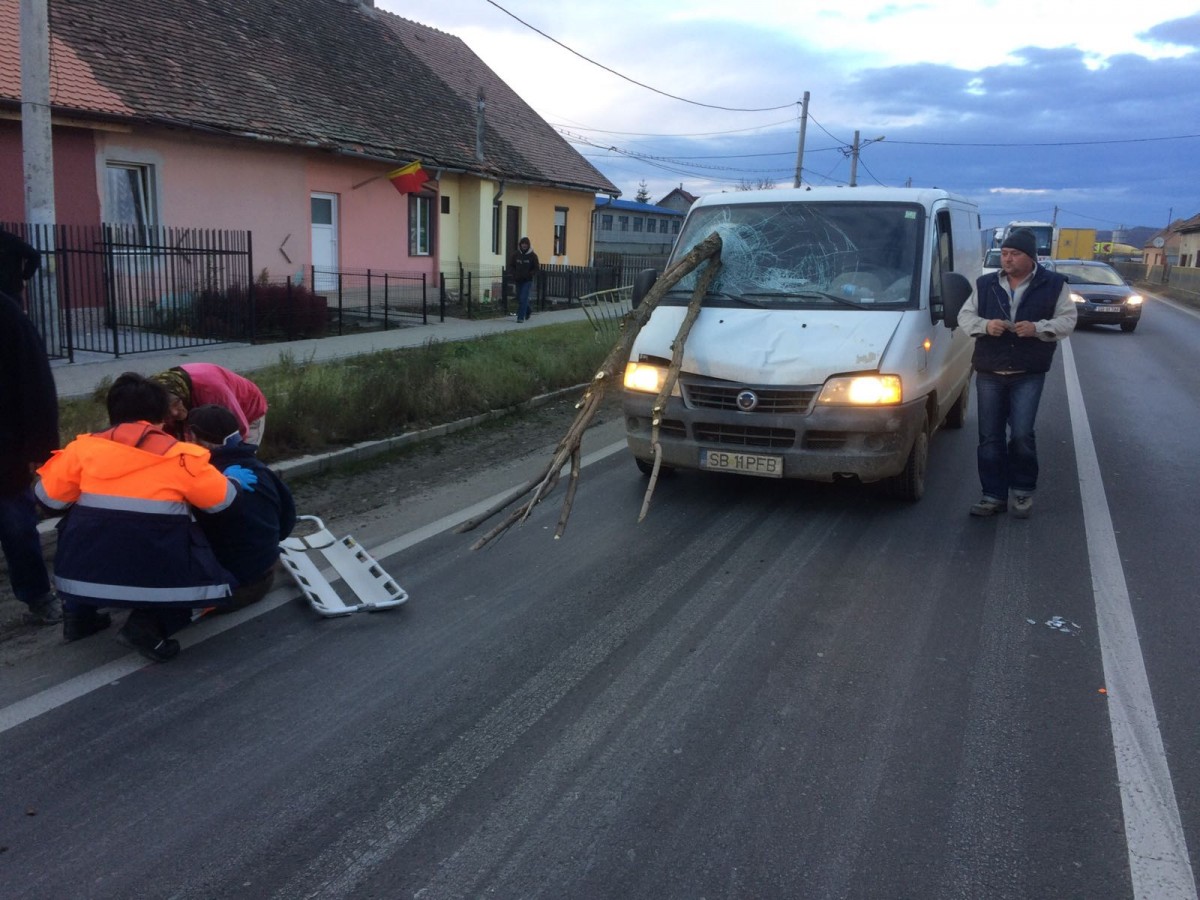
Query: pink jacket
[(216, 384)]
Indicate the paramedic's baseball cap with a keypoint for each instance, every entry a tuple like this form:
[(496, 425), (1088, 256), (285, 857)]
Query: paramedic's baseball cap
[(213, 423)]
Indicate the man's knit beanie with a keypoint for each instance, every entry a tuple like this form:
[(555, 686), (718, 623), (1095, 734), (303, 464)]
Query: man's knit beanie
[(1022, 239)]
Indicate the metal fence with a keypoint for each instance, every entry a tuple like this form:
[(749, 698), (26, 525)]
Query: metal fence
[(117, 289), (488, 292), (628, 264), (373, 299)]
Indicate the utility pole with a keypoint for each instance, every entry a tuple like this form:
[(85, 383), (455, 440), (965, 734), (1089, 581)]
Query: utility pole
[(800, 146), (36, 142), (37, 149), (854, 156)]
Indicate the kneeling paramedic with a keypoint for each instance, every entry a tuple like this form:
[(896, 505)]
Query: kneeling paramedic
[(128, 538)]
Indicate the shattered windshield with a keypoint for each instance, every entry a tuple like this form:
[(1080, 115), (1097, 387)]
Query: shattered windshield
[(808, 255)]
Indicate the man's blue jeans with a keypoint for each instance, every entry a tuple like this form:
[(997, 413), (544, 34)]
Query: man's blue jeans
[(23, 546), (1008, 406), (523, 290)]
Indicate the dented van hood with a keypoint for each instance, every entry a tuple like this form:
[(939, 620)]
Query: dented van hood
[(772, 346)]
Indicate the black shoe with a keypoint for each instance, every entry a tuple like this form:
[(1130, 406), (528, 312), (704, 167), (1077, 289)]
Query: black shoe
[(77, 625), (147, 642), (45, 610)]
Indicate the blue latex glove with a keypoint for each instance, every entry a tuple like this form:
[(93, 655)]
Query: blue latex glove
[(243, 476)]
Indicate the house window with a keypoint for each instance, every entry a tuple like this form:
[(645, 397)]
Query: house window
[(638, 223), (623, 223), (651, 226), (606, 223), (560, 231), (675, 227), (445, 205), (420, 224), (496, 223), (131, 197)]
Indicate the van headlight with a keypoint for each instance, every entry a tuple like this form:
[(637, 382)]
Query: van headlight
[(862, 390), (1134, 300), (645, 377)]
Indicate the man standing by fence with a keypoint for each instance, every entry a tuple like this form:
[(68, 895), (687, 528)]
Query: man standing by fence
[(522, 269)]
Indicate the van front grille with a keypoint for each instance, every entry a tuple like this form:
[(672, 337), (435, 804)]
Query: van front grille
[(712, 395)]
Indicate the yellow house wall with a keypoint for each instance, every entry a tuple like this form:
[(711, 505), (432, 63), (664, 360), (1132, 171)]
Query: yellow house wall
[(466, 233), (579, 206)]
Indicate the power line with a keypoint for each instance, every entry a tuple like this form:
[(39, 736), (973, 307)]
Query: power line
[(1176, 137), (685, 135), (633, 81)]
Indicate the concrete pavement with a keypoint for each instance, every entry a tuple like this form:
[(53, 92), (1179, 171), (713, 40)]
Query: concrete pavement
[(80, 378)]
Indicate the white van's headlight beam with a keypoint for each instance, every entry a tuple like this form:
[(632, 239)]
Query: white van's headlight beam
[(645, 377), (862, 390)]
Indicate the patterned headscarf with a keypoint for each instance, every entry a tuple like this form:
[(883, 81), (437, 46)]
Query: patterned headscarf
[(177, 382)]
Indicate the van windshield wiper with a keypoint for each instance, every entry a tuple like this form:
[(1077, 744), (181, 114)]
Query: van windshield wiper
[(825, 295)]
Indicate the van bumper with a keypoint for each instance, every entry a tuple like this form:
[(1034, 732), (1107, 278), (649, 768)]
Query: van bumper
[(825, 444)]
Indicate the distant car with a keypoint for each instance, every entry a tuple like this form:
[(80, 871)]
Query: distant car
[(1101, 295), (991, 261)]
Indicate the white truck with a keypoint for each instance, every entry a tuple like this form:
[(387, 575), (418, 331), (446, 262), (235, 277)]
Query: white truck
[(827, 345)]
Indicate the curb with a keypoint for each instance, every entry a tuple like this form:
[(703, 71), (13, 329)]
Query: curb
[(318, 463)]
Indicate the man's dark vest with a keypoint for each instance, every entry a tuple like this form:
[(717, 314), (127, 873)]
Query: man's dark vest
[(1009, 353)]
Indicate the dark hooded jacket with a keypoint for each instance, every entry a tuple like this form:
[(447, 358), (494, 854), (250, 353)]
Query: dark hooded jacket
[(524, 264), (28, 400), (245, 536)]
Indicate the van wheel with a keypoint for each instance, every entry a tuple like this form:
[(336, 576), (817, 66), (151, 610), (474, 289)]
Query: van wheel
[(957, 416), (646, 467), (1129, 326), (910, 484)]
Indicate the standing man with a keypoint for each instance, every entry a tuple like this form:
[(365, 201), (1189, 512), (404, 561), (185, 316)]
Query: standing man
[(1017, 316), (523, 268), (28, 435), (18, 262)]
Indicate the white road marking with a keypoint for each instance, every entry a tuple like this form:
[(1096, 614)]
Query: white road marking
[(1158, 854), (53, 697)]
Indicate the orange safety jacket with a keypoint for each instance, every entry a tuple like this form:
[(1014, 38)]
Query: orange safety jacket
[(129, 538)]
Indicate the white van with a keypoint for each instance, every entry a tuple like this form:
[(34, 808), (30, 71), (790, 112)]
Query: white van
[(827, 346)]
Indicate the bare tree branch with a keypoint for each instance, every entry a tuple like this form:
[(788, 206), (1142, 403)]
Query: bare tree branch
[(610, 373)]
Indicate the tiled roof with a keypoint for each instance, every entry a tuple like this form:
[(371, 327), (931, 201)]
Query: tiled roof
[(321, 73)]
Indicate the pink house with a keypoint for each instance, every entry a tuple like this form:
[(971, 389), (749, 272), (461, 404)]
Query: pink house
[(284, 120)]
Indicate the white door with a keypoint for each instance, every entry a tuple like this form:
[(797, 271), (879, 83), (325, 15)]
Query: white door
[(324, 241)]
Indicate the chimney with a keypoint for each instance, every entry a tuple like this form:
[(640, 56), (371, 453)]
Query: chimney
[(479, 128)]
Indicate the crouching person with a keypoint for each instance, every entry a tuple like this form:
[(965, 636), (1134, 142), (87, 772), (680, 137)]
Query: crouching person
[(128, 538), (245, 535)]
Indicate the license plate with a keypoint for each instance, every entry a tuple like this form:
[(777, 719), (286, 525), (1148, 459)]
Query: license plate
[(1114, 309), (744, 463)]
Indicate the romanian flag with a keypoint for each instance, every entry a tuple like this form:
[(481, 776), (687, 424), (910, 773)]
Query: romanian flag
[(408, 179)]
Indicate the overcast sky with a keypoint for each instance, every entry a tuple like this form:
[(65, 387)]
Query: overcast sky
[(1023, 105)]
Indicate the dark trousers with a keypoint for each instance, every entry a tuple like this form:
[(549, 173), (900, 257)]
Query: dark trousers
[(523, 290), (1008, 406), (23, 546)]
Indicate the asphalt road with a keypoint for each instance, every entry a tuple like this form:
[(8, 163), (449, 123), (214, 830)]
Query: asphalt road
[(764, 690)]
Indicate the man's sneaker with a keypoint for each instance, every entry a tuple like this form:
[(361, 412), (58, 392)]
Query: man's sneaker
[(46, 610), (988, 506), (1022, 505), (147, 643), (77, 625)]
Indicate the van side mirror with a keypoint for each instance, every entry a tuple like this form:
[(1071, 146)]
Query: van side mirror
[(642, 282), (956, 288)]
